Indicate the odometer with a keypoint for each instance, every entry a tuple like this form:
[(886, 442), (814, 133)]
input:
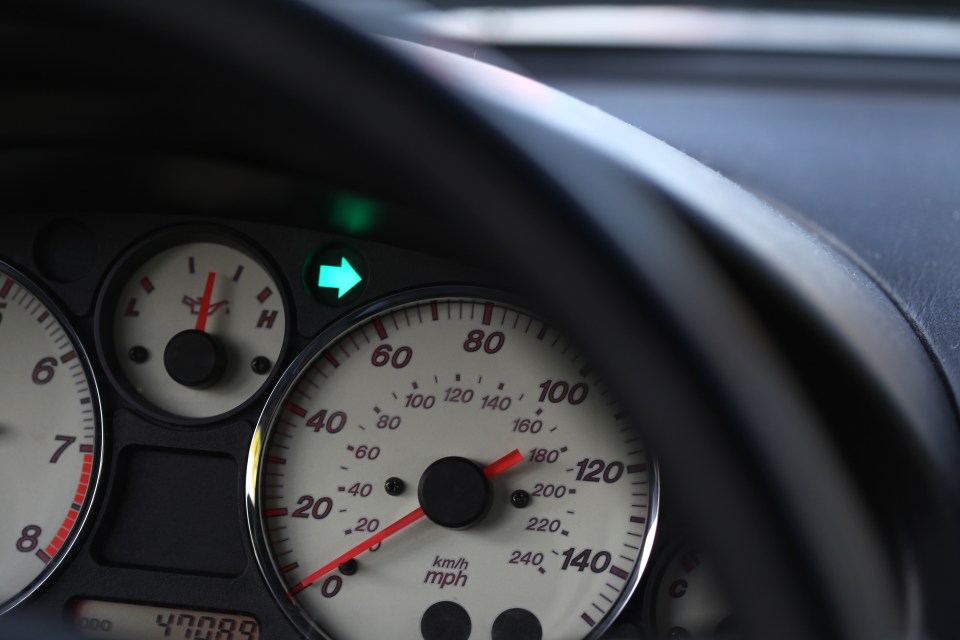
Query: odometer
[(106, 619), (449, 468), (50, 438)]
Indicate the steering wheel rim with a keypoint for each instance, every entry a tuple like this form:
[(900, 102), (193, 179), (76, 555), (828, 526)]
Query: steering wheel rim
[(645, 275)]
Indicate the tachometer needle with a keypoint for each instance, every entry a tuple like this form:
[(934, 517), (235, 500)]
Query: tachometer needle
[(492, 469), (205, 302)]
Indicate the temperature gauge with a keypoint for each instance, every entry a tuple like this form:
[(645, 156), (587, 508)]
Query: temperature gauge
[(193, 325)]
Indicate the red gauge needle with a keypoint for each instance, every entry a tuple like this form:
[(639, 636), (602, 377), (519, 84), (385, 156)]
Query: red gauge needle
[(205, 302), (492, 469)]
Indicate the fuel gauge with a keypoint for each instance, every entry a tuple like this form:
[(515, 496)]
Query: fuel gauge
[(686, 598), (193, 324)]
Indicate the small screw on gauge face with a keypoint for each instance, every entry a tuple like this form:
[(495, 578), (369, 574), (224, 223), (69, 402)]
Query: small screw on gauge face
[(349, 567), (394, 486), (138, 354), (520, 498), (260, 365)]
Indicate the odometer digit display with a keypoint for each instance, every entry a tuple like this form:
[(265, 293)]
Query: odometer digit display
[(105, 619)]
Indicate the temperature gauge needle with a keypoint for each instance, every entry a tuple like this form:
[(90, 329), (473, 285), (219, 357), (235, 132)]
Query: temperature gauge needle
[(205, 302), (491, 470)]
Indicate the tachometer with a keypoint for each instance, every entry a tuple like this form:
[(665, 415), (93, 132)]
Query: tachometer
[(50, 438), (449, 468)]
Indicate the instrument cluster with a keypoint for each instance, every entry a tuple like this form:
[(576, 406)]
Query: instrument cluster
[(238, 430)]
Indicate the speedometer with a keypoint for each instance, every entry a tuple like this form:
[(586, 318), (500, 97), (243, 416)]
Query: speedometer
[(444, 468)]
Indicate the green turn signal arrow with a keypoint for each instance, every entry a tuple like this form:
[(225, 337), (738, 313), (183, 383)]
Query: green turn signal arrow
[(342, 278)]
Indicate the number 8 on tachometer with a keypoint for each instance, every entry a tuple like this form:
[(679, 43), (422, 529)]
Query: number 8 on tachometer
[(50, 438)]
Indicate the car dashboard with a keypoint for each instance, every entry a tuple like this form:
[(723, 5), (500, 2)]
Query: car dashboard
[(208, 295)]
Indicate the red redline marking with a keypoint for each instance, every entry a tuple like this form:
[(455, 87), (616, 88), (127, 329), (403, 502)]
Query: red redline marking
[(487, 312), (300, 411), (331, 359), (381, 330), (5, 289), (147, 285), (289, 567), (273, 513), (51, 550), (277, 460)]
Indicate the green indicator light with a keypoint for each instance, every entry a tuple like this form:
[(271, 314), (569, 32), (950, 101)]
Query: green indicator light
[(354, 215), (342, 278)]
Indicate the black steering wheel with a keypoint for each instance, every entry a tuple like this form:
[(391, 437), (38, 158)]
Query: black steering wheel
[(599, 224)]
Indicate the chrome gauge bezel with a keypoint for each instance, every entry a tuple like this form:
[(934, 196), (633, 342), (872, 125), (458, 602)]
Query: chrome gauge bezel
[(99, 451), (266, 562), (132, 259)]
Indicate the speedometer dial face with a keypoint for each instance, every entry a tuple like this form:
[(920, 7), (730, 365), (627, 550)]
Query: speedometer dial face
[(49, 438), (449, 468)]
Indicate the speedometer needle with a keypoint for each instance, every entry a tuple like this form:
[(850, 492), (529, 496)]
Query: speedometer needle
[(491, 470), (205, 302)]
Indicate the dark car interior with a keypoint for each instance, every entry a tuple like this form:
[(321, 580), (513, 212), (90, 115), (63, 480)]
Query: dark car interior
[(744, 217)]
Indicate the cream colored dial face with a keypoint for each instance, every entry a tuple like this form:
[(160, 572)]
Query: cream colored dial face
[(245, 315), (49, 439), (567, 529)]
